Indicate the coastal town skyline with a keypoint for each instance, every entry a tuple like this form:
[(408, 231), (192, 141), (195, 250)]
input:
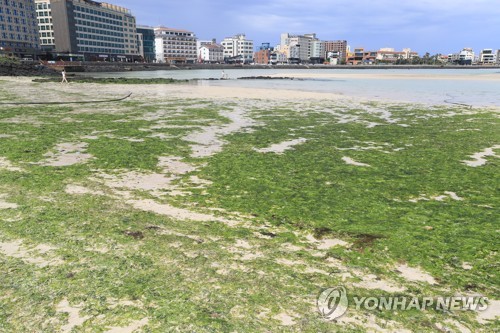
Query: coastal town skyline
[(436, 27)]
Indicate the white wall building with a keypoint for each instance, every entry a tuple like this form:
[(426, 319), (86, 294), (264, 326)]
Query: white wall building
[(302, 47), (238, 46), (466, 56), (175, 46), (211, 53), (487, 56)]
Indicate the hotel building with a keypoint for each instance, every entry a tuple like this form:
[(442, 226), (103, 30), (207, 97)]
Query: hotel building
[(85, 29), (175, 46), (18, 28), (238, 49)]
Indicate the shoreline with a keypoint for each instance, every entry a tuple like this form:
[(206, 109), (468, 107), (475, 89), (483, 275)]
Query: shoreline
[(187, 90)]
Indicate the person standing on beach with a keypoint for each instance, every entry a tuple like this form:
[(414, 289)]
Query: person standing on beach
[(64, 76)]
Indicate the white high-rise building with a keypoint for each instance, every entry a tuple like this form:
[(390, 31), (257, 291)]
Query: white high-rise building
[(302, 48), (238, 47), (175, 46), (84, 28)]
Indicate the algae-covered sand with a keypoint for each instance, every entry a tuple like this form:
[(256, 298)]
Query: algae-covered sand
[(210, 209)]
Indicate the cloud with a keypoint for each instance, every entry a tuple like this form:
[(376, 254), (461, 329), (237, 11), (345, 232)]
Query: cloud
[(443, 25)]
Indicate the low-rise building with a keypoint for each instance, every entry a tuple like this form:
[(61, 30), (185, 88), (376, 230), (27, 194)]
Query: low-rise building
[(361, 57), (487, 56), (175, 45), (466, 57), (238, 49), (263, 56), (19, 28), (389, 55), (210, 52)]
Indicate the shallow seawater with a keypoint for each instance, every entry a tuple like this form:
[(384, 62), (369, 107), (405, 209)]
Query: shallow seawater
[(428, 86)]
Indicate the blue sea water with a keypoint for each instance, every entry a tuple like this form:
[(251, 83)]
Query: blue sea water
[(479, 87)]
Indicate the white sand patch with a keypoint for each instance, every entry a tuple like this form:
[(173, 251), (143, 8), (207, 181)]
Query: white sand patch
[(73, 312), (451, 325), (286, 319), (135, 325), (491, 313), (371, 281), (67, 154), (81, 190), (291, 247), (479, 158), (209, 142), (350, 161), (415, 274), (161, 136), (312, 270), (280, 148), (15, 249), (174, 165), (442, 197), (7, 165), (326, 243), (133, 180), (370, 323), (6, 205), (453, 195), (23, 119), (199, 181), (251, 256), (243, 244), (113, 303), (467, 266), (171, 211), (288, 262)]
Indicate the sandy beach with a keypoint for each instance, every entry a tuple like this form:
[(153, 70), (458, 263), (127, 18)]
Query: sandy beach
[(247, 200)]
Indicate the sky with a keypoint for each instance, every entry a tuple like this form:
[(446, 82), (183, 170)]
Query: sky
[(434, 26)]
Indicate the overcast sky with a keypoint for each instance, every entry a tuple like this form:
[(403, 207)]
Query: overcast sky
[(435, 26)]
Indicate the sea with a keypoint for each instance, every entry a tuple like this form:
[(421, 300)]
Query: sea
[(475, 87)]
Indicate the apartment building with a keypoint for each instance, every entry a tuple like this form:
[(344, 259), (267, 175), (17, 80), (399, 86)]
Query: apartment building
[(498, 56), (146, 40), (338, 47), (18, 28), (210, 52), (316, 51), (90, 30), (175, 45), (487, 56), (238, 49), (303, 48)]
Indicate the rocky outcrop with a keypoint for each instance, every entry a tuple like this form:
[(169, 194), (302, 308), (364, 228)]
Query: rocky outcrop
[(25, 69)]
